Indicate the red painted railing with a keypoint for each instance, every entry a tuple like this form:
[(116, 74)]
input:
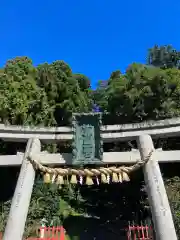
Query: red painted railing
[(58, 233), (51, 233), (140, 233)]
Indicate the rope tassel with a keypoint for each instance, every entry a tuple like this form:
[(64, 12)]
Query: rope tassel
[(47, 178), (103, 178), (73, 179), (60, 180), (89, 180), (115, 177), (125, 177)]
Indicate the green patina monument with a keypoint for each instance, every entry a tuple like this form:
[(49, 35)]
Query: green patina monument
[(87, 145)]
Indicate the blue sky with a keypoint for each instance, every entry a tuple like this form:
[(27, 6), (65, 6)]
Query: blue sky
[(94, 37)]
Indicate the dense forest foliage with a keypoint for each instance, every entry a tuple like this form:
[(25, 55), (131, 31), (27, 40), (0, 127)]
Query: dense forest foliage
[(47, 94)]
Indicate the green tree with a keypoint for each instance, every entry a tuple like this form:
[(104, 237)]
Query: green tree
[(21, 100), (64, 90), (83, 81), (173, 191), (142, 93), (164, 57)]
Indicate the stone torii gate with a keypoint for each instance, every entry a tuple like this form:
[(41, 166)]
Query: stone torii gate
[(142, 133)]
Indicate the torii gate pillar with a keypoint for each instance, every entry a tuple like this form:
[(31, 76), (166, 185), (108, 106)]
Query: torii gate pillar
[(22, 195), (161, 212)]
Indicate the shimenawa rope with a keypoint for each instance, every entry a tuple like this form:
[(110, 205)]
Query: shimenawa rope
[(107, 174)]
